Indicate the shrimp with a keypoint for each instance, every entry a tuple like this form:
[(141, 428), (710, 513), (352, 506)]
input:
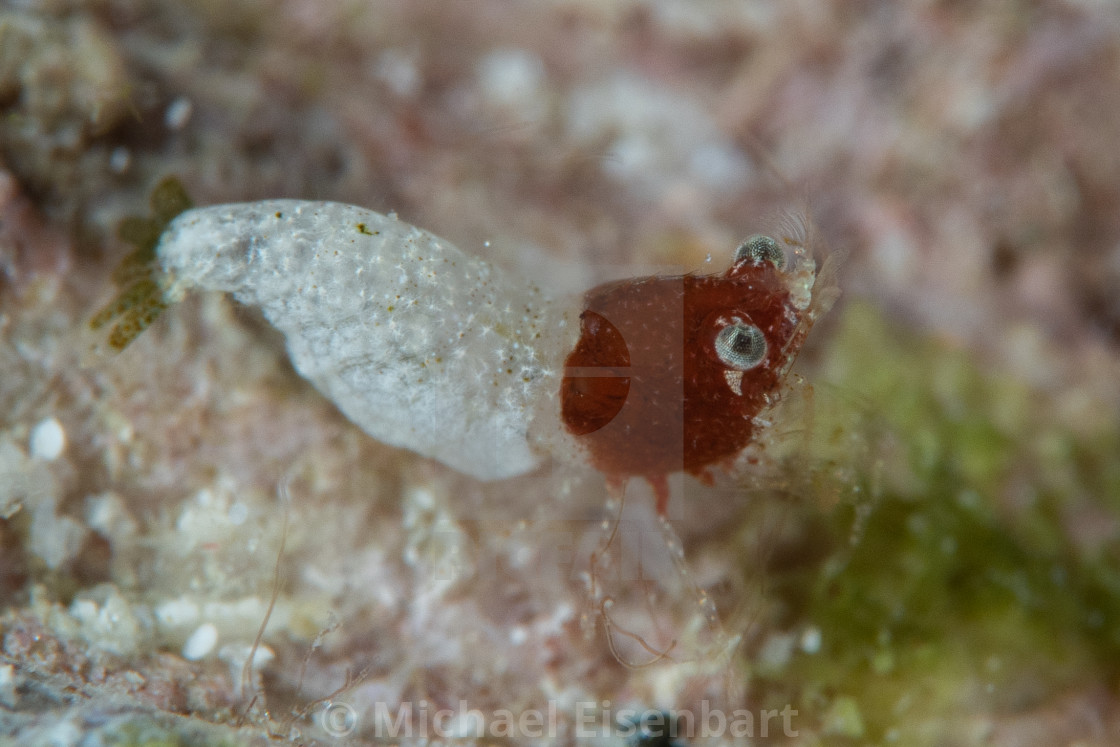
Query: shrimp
[(430, 349), (672, 374)]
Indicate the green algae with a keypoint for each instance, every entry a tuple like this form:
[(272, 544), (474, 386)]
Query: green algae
[(140, 300), (950, 590)]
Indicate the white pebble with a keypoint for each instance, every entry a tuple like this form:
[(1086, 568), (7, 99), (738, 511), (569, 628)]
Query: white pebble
[(48, 440), (178, 113), (201, 642)]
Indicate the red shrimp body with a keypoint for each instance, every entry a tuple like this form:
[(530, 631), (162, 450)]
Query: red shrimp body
[(645, 390)]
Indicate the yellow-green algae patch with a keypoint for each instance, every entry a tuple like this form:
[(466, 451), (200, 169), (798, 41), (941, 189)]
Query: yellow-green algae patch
[(140, 299), (951, 593)]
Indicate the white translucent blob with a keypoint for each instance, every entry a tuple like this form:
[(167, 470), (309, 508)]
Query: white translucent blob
[(419, 344)]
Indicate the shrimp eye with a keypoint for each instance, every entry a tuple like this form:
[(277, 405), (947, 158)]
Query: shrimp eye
[(758, 249), (741, 346)]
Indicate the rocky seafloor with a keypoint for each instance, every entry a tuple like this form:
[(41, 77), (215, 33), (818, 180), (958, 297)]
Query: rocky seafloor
[(929, 553)]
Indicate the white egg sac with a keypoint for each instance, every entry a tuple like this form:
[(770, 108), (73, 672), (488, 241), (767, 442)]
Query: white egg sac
[(419, 344)]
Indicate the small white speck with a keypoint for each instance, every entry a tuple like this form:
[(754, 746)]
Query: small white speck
[(238, 513), (178, 113), (811, 640), (486, 244), (48, 440), (201, 642), (399, 71), (120, 159)]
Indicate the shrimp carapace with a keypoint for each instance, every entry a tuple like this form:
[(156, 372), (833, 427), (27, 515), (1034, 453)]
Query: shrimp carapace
[(671, 373)]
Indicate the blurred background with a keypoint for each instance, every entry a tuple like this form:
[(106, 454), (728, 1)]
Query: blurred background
[(961, 155)]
